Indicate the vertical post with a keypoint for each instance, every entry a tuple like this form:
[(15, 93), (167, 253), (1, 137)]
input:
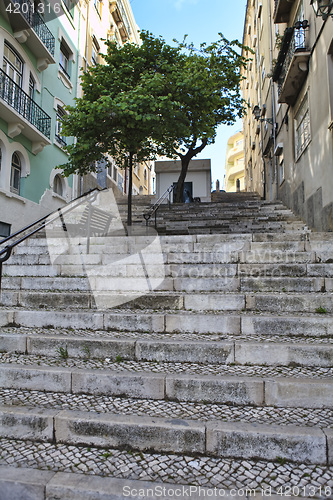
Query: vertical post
[(88, 226), (129, 196), (0, 277)]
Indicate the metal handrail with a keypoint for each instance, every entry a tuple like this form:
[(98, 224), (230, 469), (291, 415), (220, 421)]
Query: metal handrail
[(6, 252), (153, 210)]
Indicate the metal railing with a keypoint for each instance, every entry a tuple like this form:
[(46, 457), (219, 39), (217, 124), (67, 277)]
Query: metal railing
[(153, 210), (15, 97), (23, 234), (27, 9), (298, 42), (294, 40)]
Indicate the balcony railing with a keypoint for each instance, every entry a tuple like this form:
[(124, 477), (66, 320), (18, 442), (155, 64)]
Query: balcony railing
[(291, 66), (16, 98), (27, 10), (124, 18)]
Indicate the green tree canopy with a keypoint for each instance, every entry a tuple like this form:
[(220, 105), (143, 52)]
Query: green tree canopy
[(151, 100)]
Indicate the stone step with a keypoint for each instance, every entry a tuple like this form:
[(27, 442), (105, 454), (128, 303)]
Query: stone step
[(196, 297), (303, 324), (288, 302), (168, 435), (321, 418), (305, 387), (111, 474), (140, 348)]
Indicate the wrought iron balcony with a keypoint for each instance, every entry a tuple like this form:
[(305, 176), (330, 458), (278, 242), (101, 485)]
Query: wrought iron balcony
[(282, 10), (291, 68), (16, 98), (121, 19), (23, 17)]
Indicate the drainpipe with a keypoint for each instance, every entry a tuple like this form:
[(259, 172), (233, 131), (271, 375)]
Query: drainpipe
[(273, 96)]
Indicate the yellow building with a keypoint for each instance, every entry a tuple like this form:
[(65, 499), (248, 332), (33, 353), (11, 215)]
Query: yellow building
[(234, 180), (110, 20)]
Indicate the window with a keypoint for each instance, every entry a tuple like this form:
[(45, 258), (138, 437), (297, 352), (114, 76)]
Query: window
[(58, 133), (120, 182), (12, 65), (15, 177), (58, 185), (94, 52), (64, 58), (69, 7), (145, 177), (4, 229), (115, 173), (32, 85), (281, 169), (302, 128), (98, 6)]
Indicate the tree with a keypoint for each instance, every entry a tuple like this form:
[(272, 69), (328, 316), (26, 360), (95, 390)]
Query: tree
[(124, 111), (207, 91), (151, 100)]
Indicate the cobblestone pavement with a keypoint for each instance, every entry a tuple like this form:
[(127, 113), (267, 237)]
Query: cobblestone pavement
[(100, 334), (196, 411), (168, 367), (299, 479)]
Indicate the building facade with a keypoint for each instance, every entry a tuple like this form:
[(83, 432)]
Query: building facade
[(42, 58), (113, 21), (234, 179), (288, 127), (198, 180), (39, 74)]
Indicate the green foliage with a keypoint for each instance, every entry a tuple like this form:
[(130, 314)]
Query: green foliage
[(154, 99), (321, 310), (63, 352)]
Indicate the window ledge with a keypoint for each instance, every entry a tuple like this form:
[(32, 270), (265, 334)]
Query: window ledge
[(65, 80), (58, 196), (60, 146), (9, 194)]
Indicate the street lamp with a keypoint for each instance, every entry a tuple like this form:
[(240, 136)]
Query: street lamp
[(322, 8), (257, 115)]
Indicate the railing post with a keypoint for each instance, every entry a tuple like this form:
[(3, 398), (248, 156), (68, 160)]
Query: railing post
[(0, 277)]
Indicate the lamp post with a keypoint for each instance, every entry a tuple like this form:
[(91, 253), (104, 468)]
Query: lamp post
[(322, 8), (257, 112)]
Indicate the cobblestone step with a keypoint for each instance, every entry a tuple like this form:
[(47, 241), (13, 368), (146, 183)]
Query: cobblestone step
[(315, 417), (255, 385), (243, 323), (111, 474), (213, 351), (168, 435)]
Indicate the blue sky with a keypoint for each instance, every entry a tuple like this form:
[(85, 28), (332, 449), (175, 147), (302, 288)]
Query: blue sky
[(201, 21)]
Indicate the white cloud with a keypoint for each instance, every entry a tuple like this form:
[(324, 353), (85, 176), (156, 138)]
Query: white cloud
[(178, 4)]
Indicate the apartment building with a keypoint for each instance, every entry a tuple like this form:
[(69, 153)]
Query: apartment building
[(38, 72), (288, 86), (234, 180), (114, 21), (42, 56)]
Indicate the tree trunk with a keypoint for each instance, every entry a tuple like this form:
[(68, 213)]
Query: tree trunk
[(185, 159), (180, 183), (129, 196)]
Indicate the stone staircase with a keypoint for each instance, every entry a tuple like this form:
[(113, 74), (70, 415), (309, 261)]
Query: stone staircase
[(227, 213), (184, 365)]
